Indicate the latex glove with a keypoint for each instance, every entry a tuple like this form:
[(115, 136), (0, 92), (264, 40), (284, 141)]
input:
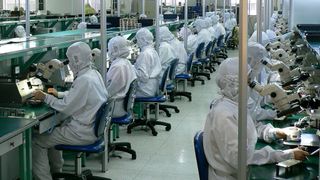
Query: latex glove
[(39, 95), (53, 92)]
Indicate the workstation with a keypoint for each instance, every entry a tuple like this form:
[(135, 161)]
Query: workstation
[(267, 69)]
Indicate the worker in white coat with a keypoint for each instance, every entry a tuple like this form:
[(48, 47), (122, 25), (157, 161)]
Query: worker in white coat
[(265, 38), (147, 65), (82, 25), (192, 42), (228, 23), (220, 137), (256, 52), (20, 31), (177, 46), (210, 28), (203, 33), (233, 19), (120, 74), (166, 51), (218, 27), (80, 104)]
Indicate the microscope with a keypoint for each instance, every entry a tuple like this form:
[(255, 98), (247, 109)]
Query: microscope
[(284, 102), (311, 106)]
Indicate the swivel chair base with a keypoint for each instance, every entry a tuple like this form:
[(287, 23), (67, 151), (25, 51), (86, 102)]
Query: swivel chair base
[(85, 175), (173, 94), (207, 75), (165, 108), (123, 147), (151, 124), (194, 79)]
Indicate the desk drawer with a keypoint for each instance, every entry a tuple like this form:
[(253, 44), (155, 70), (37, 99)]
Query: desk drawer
[(10, 144)]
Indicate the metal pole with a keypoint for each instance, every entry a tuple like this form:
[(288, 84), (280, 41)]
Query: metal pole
[(243, 81), (83, 15), (27, 18), (216, 6), (157, 25), (143, 6), (290, 18), (266, 7), (272, 7), (118, 8), (224, 11), (175, 6), (203, 8), (185, 38), (103, 32), (259, 21)]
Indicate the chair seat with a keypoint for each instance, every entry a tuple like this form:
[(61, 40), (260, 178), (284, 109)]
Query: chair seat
[(96, 147), (170, 87), (126, 119), (160, 98), (196, 63), (216, 50), (183, 76), (204, 60)]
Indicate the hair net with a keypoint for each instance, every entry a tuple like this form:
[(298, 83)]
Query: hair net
[(165, 34), (265, 38), (199, 24), (144, 37), (142, 16), (227, 78), (80, 56), (232, 15), (82, 25), (271, 34), (118, 47), (183, 33), (20, 31), (256, 53), (208, 21), (93, 19), (214, 19)]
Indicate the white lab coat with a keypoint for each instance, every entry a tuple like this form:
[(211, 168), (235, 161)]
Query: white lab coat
[(212, 33), (181, 53), (204, 36), (229, 25), (81, 103), (148, 69), (221, 142), (192, 43), (166, 54), (119, 77), (219, 29)]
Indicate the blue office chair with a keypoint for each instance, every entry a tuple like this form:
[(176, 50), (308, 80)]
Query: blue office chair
[(170, 89), (196, 65), (125, 120), (221, 50), (185, 77), (201, 61), (156, 100), (101, 125), (202, 162)]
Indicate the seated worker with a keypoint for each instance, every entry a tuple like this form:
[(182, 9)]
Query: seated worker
[(178, 48), (210, 28), (267, 132), (192, 43), (80, 104), (166, 51), (82, 25), (218, 27), (220, 137), (120, 74), (203, 33), (147, 65), (93, 19), (20, 31)]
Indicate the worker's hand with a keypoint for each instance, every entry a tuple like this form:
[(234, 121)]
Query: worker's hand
[(53, 92), (39, 95), (300, 154), (280, 134)]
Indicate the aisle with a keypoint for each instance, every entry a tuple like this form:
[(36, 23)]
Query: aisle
[(170, 155)]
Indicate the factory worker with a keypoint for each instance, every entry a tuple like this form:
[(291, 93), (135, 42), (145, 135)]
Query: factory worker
[(147, 65), (203, 33), (93, 19), (218, 27), (82, 25), (20, 31), (210, 28), (80, 104), (191, 39), (228, 23), (256, 52), (265, 38), (220, 137), (233, 19), (166, 51), (177, 46), (120, 74)]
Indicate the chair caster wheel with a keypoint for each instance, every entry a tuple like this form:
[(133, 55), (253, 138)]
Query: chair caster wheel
[(168, 128), (202, 83), (129, 131), (134, 156), (168, 115), (154, 133), (177, 110)]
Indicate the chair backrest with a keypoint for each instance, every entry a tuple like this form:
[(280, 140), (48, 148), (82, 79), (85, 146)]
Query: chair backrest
[(163, 81), (103, 117), (208, 48), (199, 50), (226, 38), (130, 96), (220, 41), (189, 63), (201, 157), (173, 68)]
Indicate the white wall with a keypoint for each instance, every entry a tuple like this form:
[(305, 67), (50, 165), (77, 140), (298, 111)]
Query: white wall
[(64, 6), (305, 12), (1, 4)]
